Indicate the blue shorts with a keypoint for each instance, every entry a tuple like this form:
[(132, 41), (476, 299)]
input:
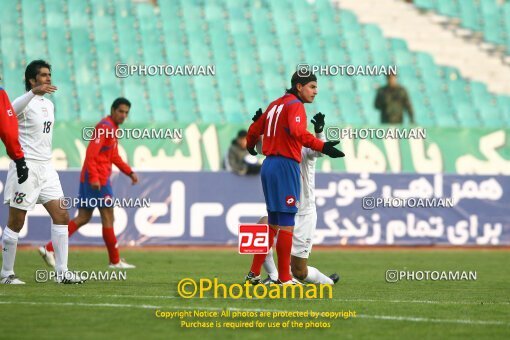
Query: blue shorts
[(280, 183), (281, 219), (92, 198)]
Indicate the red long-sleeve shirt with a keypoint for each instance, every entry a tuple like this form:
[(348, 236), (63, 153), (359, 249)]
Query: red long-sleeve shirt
[(102, 152), (9, 132), (283, 125)]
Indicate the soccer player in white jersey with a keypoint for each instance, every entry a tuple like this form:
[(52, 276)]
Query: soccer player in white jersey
[(306, 221), (36, 121)]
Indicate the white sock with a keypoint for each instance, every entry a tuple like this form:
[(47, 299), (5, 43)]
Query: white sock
[(60, 239), (315, 276), (9, 244), (270, 267)]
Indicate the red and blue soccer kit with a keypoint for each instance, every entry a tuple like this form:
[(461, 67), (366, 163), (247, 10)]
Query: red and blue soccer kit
[(102, 152), (9, 132), (283, 126)]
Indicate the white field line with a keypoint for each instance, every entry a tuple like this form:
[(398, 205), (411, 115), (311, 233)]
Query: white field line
[(433, 302), (377, 317), (420, 319)]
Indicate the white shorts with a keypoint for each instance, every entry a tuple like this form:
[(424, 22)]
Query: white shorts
[(42, 186), (303, 234)]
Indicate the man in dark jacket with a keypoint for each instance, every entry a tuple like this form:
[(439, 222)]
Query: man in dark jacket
[(238, 159), (391, 100)]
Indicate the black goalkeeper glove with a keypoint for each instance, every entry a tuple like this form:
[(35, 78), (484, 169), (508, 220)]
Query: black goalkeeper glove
[(21, 169), (318, 122), (252, 151), (257, 115), (329, 149)]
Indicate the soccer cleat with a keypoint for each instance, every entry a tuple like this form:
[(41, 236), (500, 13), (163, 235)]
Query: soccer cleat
[(11, 280), (48, 256), (335, 277), (122, 265), (293, 281), (252, 278), (269, 281), (68, 278)]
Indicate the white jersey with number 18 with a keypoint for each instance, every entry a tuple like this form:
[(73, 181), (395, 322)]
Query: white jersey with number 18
[(36, 121)]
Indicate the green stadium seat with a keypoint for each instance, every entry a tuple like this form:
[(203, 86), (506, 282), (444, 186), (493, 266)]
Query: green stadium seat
[(158, 95), (291, 53), (467, 114), (479, 94), (106, 51), (446, 120), (491, 116), (426, 4), (348, 22), (422, 114), (377, 46), (327, 102), (134, 92), (470, 16), (128, 45), (425, 62), (33, 27), (350, 112), (372, 115), (403, 58), (213, 12), (336, 55), (492, 30), (432, 81), (208, 105), (255, 53), (9, 12), (483, 16), (504, 107), (398, 45), (152, 48), (505, 15), (233, 106), (183, 100), (448, 8)]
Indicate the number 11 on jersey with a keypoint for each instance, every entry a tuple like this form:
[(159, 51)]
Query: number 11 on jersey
[(275, 109)]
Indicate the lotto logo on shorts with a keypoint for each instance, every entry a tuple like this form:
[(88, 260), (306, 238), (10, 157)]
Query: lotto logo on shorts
[(290, 201), (253, 239)]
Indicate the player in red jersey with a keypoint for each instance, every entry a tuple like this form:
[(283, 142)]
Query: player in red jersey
[(10, 136), (95, 187), (283, 126)]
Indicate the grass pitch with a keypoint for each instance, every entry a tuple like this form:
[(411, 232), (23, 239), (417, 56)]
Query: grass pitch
[(126, 309)]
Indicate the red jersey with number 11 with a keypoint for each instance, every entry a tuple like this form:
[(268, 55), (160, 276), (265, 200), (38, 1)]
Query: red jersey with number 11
[(283, 126)]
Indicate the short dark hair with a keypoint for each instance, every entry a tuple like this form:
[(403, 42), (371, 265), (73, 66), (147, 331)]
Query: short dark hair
[(32, 71), (242, 133), (119, 101), (298, 78)]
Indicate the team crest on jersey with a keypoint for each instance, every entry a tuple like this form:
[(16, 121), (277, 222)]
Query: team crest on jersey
[(290, 201), (44, 111), (298, 119), (9, 113)]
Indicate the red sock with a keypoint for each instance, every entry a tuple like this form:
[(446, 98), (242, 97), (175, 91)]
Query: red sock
[(258, 259), (71, 228), (111, 244), (283, 248)]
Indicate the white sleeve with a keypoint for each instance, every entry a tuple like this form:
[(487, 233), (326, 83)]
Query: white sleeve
[(312, 153), (19, 104), (258, 146)]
